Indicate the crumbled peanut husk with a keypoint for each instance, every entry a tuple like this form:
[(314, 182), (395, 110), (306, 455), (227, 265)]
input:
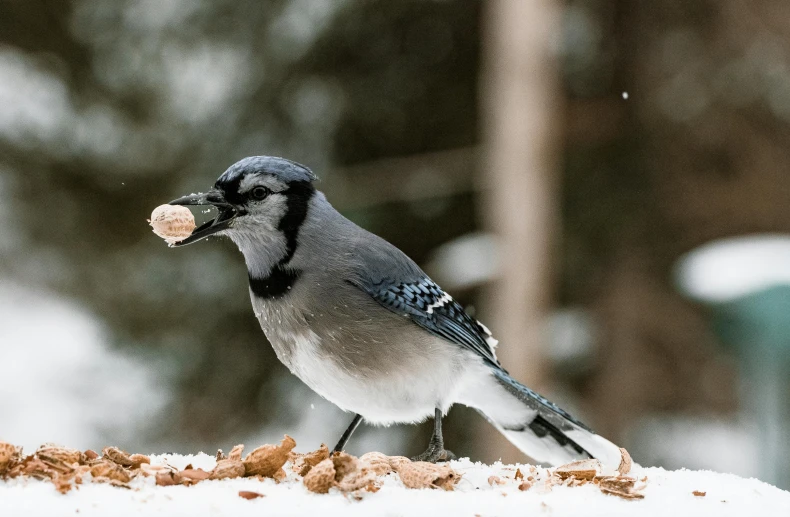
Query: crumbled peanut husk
[(625, 462), (124, 459), (396, 461), (341, 471), (9, 456), (378, 462), (302, 463), (321, 477), (350, 473), (699, 493), (107, 470), (228, 469), (139, 459), (268, 460), (621, 486), (580, 469), (117, 456), (61, 459), (146, 469), (32, 466), (168, 478), (421, 474), (62, 485), (190, 476), (236, 452), (525, 485), (344, 464), (357, 480), (246, 494)]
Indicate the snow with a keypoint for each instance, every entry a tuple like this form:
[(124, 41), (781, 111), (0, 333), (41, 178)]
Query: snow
[(667, 493), (60, 357), (728, 269)]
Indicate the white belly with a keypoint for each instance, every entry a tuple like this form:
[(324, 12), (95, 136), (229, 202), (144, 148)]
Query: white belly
[(408, 396)]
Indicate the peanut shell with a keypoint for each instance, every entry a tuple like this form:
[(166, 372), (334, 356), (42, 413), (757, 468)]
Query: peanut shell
[(108, 470), (236, 452), (228, 469), (267, 460), (302, 463), (580, 469), (378, 462), (58, 457), (172, 223), (421, 474), (321, 477), (8, 455), (625, 462)]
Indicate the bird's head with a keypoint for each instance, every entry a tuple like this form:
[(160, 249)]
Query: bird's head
[(255, 195)]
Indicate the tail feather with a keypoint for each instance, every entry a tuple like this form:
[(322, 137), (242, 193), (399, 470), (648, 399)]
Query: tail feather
[(538, 427)]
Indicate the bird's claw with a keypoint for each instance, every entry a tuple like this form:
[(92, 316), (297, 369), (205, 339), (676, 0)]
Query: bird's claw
[(435, 454)]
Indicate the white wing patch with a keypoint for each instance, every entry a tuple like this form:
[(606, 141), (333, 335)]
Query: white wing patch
[(438, 303), (492, 342)]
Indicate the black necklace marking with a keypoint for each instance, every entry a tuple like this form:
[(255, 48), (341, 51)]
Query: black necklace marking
[(297, 202), (277, 284), (281, 278)]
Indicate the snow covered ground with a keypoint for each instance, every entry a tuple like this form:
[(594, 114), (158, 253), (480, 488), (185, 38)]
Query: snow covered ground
[(666, 493)]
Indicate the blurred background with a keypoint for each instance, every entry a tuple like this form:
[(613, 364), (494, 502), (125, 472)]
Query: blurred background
[(604, 183)]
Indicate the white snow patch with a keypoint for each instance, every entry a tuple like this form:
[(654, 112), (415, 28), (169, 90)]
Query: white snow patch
[(61, 381), (465, 262), (667, 493), (727, 269)]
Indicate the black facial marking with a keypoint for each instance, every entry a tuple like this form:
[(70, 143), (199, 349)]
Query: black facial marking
[(277, 284), (230, 188), (297, 202)]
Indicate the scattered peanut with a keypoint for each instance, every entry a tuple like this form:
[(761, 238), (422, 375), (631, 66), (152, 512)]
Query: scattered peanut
[(268, 460), (581, 469), (353, 476), (228, 469), (8, 454), (377, 462), (625, 462), (302, 463), (420, 474)]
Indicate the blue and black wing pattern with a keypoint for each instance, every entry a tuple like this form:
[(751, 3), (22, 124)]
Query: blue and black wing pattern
[(430, 307)]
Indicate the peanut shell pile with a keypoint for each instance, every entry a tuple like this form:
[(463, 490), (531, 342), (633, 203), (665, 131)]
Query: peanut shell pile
[(66, 467), (319, 471)]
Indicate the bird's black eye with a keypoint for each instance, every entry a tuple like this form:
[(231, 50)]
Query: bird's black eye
[(259, 193)]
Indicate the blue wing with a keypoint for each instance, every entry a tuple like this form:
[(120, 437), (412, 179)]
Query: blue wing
[(427, 305)]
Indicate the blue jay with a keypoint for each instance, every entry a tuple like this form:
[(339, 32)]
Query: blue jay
[(363, 326)]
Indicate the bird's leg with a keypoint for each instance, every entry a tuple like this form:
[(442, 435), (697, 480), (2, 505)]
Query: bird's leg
[(346, 435), (436, 451)]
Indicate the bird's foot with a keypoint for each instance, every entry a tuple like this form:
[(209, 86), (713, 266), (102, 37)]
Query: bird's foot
[(435, 454)]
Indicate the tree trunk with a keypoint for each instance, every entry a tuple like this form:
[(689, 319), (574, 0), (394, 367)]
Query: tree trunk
[(521, 104)]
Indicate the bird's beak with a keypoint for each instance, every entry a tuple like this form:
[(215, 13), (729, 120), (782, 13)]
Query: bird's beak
[(227, 213)]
